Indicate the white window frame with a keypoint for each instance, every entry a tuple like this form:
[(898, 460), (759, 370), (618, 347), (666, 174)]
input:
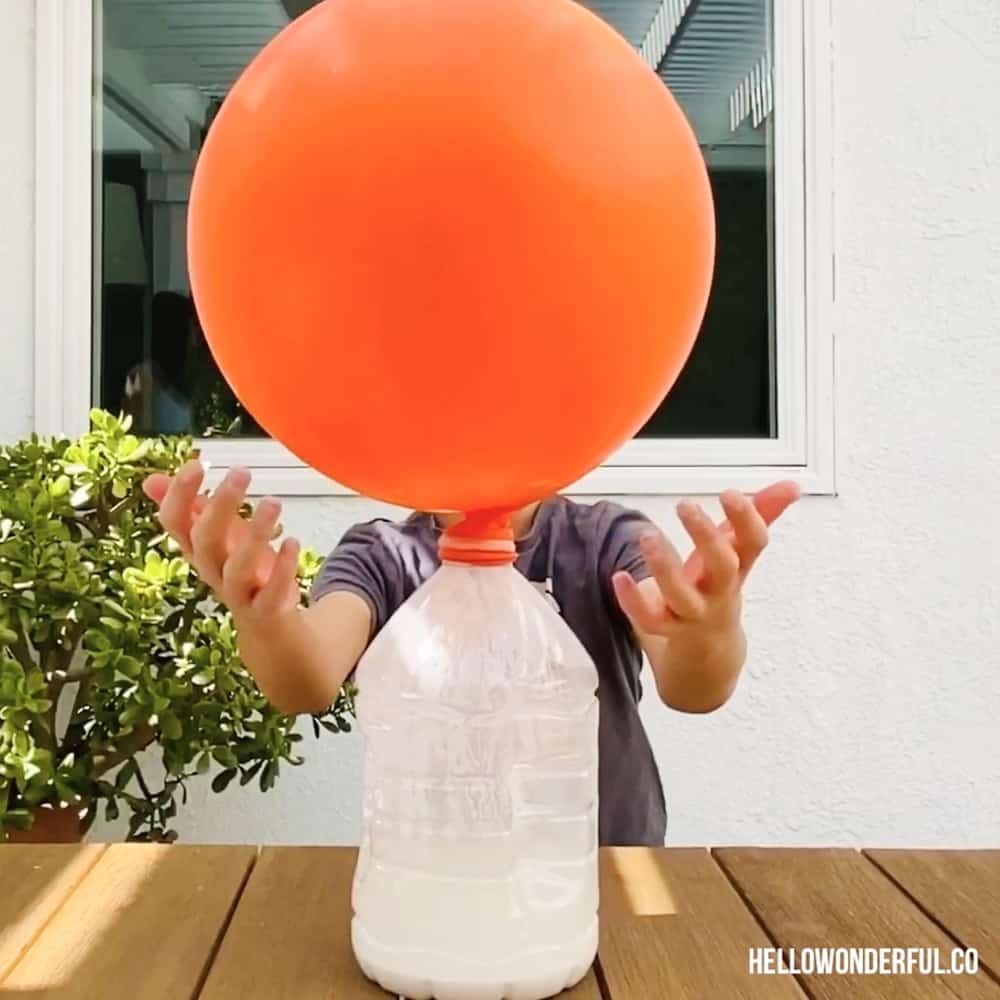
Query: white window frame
[(65, 262)]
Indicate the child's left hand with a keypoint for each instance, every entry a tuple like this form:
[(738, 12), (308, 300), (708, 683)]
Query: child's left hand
[(699, 601)]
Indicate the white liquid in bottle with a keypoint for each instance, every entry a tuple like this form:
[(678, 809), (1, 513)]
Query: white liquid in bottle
[(477, 875)]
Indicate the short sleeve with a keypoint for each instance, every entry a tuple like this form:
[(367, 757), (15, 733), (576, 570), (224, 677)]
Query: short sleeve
[(619, 549), (361, 564)]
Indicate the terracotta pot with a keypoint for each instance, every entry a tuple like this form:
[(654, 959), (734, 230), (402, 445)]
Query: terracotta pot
[(60, 824)]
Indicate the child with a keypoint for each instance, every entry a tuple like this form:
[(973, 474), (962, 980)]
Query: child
[(618, 582)]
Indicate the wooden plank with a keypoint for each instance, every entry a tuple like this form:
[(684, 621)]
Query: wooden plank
[(672, 926), (838, 899), (959, 889), (36, 881), (292, 931), (142, 925)]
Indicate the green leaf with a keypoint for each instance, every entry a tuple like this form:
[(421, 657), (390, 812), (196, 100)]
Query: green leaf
[(66, 793), (247, 776), (139, 453), (171, 726), (212, 709), (132, 715), (19, 819), (222, 780), (111, 811), (113, 606), (30, 770), (96, 641), (126, 446), (268, 776), (225, 757), (36, 682), (59, 487), (129, 666)]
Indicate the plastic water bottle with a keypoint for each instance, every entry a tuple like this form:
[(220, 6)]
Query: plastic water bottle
[(477, 874)]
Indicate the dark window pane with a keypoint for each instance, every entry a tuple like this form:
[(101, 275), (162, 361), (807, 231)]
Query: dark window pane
[(168, 64), (725, 388)]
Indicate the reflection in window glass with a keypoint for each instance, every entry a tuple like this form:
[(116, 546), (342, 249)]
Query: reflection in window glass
[(166, 66)]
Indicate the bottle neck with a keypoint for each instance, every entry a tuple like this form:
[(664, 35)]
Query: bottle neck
[(481, 538)]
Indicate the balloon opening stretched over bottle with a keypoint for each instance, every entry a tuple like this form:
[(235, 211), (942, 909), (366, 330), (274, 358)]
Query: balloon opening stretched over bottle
[(480, 538)]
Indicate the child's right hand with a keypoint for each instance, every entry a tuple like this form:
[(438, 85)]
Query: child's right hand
[(232, 555)]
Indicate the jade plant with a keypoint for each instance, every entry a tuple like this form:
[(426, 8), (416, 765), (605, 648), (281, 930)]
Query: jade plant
[(112, 651)]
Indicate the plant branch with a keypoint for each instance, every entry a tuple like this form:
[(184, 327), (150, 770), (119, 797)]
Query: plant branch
[(80, 673), (188, 614), (142, 784), (72, 641), (125, 749), (129, 503), (101, 510), (21, 648), (73, 737), (57, 685)]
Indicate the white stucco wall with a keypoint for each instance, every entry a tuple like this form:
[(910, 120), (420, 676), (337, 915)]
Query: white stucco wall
[(17, 168), (869, 710)]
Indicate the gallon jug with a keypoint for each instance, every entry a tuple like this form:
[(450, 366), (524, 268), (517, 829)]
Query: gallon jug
[(477, 875)]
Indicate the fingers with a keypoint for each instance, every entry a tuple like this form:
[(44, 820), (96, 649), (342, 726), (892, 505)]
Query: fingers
[(749, 529), (645, 617), (234, 557), (251, 563), (773, 501), (210, 533), (715, 549), (679, 594), (281, 590), (156, 486), (176, 499)]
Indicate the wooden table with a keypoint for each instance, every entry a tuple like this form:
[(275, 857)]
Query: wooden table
[(135, 922)]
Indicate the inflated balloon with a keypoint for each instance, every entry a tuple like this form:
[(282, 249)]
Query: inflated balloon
[(452, 254)]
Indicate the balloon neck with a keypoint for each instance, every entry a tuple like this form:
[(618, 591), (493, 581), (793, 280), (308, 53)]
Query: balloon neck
[(480, 538)]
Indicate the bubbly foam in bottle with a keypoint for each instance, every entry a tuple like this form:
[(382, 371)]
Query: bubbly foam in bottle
[(477, 875)]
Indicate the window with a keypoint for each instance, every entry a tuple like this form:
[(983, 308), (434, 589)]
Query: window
[(754, 400)]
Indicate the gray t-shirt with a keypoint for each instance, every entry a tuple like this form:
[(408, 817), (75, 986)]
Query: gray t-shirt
[(571, 552)]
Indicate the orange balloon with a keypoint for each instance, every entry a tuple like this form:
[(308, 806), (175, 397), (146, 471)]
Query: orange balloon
[(452, 254)]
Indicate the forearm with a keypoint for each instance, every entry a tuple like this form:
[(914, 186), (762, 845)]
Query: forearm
[(699, 674), (297, 667)]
